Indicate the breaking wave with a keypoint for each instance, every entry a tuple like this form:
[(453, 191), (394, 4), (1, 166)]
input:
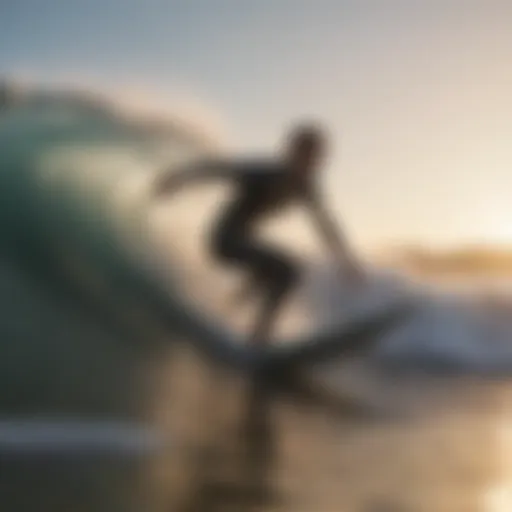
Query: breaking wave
[(74, 172)]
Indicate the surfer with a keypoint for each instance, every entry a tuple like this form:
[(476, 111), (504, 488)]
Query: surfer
[(262, 188)]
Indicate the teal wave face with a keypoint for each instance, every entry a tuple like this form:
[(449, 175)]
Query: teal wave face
[(64, 167)]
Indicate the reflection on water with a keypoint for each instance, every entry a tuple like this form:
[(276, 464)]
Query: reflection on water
[(412, 444), (235, 471), (352, 439), (362, 441)]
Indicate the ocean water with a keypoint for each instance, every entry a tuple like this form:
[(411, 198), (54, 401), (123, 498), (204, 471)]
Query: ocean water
[(85, 265)]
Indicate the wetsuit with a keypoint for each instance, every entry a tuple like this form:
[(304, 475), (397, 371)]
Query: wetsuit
[(261, 188)]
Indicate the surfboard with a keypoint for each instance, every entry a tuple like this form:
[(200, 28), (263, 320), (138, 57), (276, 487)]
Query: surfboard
[(363, 327), (351, 337)]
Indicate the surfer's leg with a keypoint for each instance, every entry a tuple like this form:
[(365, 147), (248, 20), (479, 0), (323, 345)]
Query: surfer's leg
[(232, 249), (279, 275), (269, 271)]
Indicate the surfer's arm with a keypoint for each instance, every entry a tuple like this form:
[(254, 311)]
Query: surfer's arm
[(332, 233), (172, 181)]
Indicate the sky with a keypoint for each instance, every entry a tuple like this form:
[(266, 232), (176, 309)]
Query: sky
[(416, 93)]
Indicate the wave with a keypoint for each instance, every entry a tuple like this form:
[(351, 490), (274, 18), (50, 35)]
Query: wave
[(74, 164), (448, 332), (74, 172)]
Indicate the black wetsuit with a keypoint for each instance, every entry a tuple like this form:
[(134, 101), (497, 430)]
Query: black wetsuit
[(261, 188)]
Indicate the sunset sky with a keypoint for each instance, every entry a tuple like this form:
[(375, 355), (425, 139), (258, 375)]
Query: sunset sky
[(417, 94)]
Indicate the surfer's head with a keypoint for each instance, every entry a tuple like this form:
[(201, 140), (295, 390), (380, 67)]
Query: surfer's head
[(306, 147)]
